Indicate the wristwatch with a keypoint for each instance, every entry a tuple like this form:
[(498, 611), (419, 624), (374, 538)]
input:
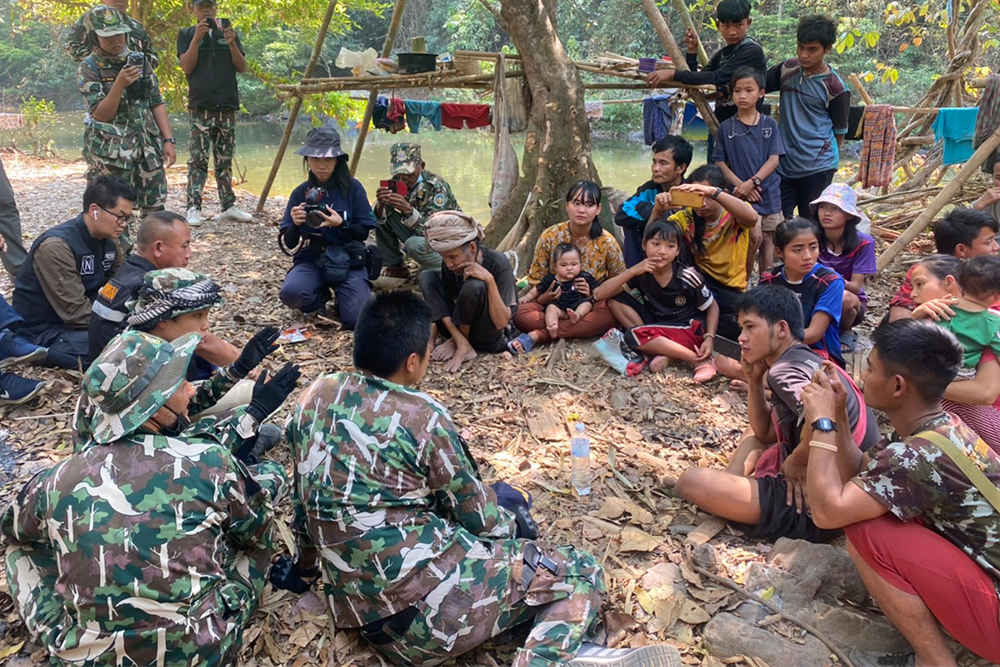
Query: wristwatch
[(755, 180), (825, 425), (718, 191), (170, 140)]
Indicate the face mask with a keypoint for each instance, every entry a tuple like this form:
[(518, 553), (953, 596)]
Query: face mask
[(183, 421)]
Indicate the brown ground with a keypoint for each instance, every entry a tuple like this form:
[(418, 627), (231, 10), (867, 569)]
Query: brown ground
[(507, 409)]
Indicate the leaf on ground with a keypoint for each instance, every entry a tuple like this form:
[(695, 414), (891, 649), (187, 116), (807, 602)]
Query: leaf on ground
[(10, 650), (636, 539), (304, 635), (693, 613), (645, 600)]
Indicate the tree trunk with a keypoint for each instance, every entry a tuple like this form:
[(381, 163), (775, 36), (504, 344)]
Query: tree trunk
[(557, 150)]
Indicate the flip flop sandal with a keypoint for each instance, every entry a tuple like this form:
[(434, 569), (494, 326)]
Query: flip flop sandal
[(527, 343), (848, 342)]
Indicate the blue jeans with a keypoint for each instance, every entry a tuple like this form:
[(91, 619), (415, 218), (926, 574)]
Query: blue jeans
[(8, 316), (304, 289)]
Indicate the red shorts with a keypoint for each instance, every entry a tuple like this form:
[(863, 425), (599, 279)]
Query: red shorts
[(918, 561), (690, 336)]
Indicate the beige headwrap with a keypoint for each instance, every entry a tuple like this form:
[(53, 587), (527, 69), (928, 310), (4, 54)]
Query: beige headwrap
[(447, 230)]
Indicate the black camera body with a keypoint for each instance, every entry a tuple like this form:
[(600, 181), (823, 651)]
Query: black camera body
[(136, 59), (314, 206)]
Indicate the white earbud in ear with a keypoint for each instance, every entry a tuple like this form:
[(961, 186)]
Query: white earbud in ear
[(93, 214)]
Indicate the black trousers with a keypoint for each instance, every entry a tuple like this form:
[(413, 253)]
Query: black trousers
[(800, 192), (470, 307)]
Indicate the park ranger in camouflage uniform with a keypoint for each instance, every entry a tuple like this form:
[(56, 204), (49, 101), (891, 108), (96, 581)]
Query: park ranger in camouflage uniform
[(78, 46), (401, 218), (145, 547), (127, 132), (415, 550)]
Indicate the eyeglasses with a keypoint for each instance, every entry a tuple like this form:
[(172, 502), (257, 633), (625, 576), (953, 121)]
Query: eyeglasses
[(119, 219)]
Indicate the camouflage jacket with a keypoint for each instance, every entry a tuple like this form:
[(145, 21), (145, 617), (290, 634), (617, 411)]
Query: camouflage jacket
[(914, 479), (131, 136), (430, 195), (386, 492), (138, 39), (148, 550)]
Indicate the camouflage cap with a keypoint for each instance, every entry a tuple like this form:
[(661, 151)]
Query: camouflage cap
[(132, 378), (404, 158), (105, 22), (169, 293)]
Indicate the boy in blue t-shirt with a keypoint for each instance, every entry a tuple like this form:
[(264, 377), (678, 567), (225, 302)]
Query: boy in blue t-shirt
[(813, 112), (747, 151)]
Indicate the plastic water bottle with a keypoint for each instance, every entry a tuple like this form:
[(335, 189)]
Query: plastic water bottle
[(580, 450)]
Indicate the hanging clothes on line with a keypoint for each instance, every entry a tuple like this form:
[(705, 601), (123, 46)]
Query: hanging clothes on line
[(957, 126), (382, 115), (419, 109), (595, 109), (989, 116), (657, 117), (473, 115), (878, 153)]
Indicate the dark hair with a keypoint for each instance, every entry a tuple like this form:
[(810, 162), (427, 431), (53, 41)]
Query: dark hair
[(564, 248), (960, 226), (340, 178), (664, 229), (732, 11), (748, 73), (774, 304), (939, 350), (786, 232), (980, 276), (680, 148), (105, 191), (392, 326), (153, 226), (589, 192), (942, 266), (712, 175), (816, 28)]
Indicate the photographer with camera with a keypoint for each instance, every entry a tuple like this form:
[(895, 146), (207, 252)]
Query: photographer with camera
[(326, 224), (403, 204), (211, 55), (127, 131)]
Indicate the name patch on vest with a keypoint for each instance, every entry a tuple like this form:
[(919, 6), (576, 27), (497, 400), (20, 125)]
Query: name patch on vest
[(109, 260), (87, 265)]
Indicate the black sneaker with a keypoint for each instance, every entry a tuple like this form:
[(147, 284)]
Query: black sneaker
[(15, 350), (268, 437), (658, 655), (872, 659), (15, 390)]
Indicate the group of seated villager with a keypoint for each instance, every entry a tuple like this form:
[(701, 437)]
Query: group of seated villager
[(154, 540)]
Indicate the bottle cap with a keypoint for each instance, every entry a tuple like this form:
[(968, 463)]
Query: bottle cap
[(580, 427)]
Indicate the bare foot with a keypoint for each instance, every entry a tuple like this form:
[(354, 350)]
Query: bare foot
[(659, 363), (704, 372), (460, 357), (740, 386), (573, 316), (729, 367), (553, 330), (444, 351)]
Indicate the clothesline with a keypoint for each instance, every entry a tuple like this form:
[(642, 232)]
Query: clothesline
[(393, 114)]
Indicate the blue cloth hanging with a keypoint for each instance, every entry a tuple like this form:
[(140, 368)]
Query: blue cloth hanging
[(657, 117), (416, 110), (957, 126)]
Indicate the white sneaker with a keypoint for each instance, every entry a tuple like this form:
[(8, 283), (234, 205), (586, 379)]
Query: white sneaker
[(657, 655), (236, 215), (194, 217)]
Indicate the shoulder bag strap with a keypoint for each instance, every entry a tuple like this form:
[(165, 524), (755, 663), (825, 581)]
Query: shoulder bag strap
[(976, 476)]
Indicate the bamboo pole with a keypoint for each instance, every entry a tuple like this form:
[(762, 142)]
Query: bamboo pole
[(861, 89), (293, 113), (366, 121), (944, 197), (674, 51), (682, 9)]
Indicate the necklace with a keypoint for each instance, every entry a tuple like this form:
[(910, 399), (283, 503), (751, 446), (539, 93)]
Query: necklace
[(747, 129)]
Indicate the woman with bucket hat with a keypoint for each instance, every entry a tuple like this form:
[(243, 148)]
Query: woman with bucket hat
[(326, 223)]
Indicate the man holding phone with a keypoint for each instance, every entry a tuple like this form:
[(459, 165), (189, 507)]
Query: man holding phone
[(403, 203), (211, 55)]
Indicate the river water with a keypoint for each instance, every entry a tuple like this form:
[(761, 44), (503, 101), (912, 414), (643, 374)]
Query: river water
[(462, 157)]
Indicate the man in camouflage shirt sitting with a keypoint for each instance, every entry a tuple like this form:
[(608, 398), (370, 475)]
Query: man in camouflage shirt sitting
[(145, 547), (415, 550), (127, 131), (401, 217)]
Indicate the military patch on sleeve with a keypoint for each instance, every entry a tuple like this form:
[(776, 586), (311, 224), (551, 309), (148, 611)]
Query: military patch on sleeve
[(439, 200), (109, 291)]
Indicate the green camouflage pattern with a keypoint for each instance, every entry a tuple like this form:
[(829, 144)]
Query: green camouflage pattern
[(149, 550), (133, 377), (128, 146), (430, 195), (78, 45), (914, 478), (212, 133), (105, 21), (388, 499), (161, 282), (404, 158)]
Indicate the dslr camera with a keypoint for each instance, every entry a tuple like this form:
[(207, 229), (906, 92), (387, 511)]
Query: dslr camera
[(314, 206)]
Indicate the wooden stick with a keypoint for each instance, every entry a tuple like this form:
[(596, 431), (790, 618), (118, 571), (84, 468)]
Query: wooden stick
[(366, 120), (293, 113), (861, 89), (682, 9), (947, 192), (680, 62)]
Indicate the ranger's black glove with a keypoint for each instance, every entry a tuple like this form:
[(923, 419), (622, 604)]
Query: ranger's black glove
[(261, 345), (290, 576), (268, 395), (517, 501)]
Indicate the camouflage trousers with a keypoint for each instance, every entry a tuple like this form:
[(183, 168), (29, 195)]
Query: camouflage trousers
[(211, 628), (213, 131), (485, 596), (150, 186)]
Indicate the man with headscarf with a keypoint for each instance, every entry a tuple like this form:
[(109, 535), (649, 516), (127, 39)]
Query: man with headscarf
[(146, 547), (473, 296)]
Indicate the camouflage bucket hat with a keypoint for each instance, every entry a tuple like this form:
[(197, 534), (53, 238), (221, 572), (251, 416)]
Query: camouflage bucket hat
[(404, 158), (132, 378), (169, 293), (843, 197), (106, 22)]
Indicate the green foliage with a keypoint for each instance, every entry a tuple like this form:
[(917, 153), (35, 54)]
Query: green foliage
[(38, 118)]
